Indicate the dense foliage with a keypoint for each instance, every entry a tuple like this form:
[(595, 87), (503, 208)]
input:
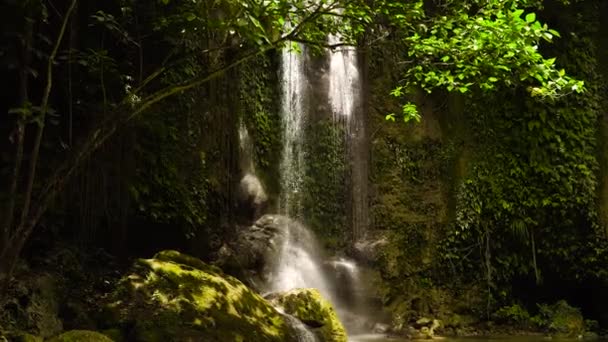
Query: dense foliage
[(529, 198), (123, 116)]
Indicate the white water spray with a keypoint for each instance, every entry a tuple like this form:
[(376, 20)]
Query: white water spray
[(299, 265)]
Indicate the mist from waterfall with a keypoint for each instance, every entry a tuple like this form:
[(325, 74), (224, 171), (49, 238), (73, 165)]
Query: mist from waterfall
[(300, 262)]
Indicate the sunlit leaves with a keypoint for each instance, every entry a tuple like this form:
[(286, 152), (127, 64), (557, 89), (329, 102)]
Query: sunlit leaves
[(460, 50)]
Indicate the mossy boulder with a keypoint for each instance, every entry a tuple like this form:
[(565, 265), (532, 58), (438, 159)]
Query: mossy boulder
[(25, 337), (309, 306), (81, 336), (32, 304), (176, 297)]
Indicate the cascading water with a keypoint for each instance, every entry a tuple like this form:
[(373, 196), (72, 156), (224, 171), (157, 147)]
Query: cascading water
[(345, 92), (300, 263), (344, 83), (293, 84), (245, 149), (252, 196)]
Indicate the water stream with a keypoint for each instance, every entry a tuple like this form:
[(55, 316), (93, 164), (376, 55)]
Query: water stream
[(293, 85), (301, 263), (537, 338), (344, 82)]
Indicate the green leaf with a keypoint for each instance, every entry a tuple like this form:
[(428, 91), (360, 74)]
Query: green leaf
[(530, 17), (555, 33)]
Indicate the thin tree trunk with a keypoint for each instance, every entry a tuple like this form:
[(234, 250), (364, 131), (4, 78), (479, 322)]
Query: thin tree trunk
[(20, 134), (488, 256), (534, 264), (15, 241)]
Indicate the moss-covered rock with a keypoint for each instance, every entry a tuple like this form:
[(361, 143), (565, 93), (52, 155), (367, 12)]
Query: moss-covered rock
[(311, 308), (25, 337), (32, 304), (81, 336), (114, 334), (176, 297)]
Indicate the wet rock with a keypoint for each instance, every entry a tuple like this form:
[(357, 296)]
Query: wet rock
[(381, 328), (369, 249), (176, 297), (357, 324), (255, 250), (426, 328), (252, 197), (422, 322), (310, 307)]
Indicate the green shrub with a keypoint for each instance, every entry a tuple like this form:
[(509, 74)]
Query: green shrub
[(561, 319), (513, 314)]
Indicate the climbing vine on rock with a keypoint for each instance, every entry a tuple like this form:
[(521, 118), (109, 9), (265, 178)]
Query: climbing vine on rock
[(528, 203), (325, 189), (258, 109)]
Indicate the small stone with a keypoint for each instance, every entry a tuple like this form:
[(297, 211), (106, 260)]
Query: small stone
[(380, 328)]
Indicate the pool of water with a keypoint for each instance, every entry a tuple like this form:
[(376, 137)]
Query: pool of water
[(383, 338)]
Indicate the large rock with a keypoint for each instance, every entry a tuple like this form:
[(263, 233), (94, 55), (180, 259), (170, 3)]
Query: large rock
[(176, 297), (310, 307), (255, 250)]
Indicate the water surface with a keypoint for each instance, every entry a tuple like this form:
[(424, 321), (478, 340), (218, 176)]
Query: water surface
[(540, 338)]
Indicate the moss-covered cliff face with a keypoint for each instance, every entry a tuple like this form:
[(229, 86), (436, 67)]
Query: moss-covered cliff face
[(414, 169), (259, 96), (325, 198), (491, 199)]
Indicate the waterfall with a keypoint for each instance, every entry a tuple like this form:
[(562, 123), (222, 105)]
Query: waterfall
[(344, 83), (293, 85), (299, 264), (245, 149), (345, 97), (252, 197)]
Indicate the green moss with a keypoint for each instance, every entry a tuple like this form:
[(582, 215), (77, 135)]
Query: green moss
[(258, 109), (114, 334), (81, 336), (29, 338), (325, 195), (311, 308), (178, 297)]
